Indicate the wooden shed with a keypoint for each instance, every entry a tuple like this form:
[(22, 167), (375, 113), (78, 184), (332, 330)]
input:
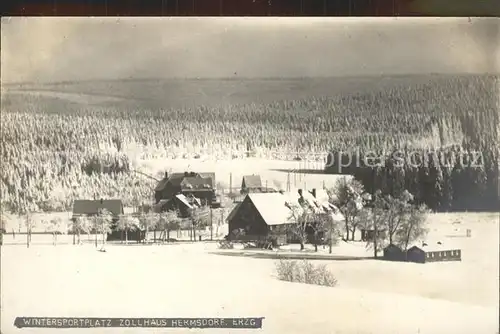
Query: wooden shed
[(415, 254), (394, 253)]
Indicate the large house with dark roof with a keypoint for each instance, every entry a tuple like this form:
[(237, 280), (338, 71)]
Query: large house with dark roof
[(189, 184)]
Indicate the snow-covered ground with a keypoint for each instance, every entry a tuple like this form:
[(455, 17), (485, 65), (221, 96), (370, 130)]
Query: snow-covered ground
[(189, 280)]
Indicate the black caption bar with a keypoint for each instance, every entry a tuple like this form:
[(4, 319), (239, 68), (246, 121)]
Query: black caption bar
[(54, 322)]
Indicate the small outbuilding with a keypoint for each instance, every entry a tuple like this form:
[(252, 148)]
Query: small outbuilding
[(394, 253), (415, 254)]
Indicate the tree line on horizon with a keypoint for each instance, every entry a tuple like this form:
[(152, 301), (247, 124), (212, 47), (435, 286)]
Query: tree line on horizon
[(54, 151)]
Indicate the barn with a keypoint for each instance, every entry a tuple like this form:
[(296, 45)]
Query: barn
[(258, 215)]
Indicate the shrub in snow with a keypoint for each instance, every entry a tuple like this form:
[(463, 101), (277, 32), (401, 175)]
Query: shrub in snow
[(225, 245), (304, 272)]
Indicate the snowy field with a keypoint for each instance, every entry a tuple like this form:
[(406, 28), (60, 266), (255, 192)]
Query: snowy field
[(189, 280)]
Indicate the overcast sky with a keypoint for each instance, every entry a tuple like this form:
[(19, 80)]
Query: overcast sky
[(56, 49)]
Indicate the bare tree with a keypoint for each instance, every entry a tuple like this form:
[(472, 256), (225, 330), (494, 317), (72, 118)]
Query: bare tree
[(398, 212), (104, 220), (200, 217), (348, 196), (318, 224), (146, 222), (30, 223), (127, 223), (414, 228), (364, 218), (331, 230), (300, 219), (378, 222), (220, 215), (78, 225), (3, 225), (55, 227), (155, 221), (169, 221)]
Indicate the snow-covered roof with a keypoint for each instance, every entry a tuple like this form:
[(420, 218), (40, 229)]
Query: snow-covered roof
[(434, 246), (272, 207), (276, 208), (184, 200)]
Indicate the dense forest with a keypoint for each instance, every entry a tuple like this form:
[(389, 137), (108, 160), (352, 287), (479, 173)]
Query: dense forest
[(458, 176), (54, 150)]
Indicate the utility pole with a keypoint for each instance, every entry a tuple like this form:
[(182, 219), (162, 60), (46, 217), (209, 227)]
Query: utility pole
[(211, 224), (299, 170), (222, 221), (95, 227), (27, 231), (230, 183)]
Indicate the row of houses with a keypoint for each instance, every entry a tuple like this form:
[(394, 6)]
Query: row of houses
[(181, 192), (259, 214)]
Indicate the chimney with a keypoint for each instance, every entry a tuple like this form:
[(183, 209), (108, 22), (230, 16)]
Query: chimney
[(313, 192), (166, 175), (300, 192)]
